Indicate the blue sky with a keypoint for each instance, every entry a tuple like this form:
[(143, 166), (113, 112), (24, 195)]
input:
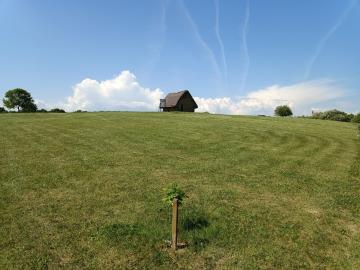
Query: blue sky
[(239, 57)]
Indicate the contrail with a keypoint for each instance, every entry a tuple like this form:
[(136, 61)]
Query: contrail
[(164, 4), (157, 45), (217, 32), (245, 50), (162, 28), (327, 36), (201, 40)]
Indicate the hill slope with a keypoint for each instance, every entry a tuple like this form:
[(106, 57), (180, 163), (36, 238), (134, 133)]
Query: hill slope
[(84, 191)]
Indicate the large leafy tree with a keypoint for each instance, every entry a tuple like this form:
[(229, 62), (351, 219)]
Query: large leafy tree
[(283, 110), (20, 100)]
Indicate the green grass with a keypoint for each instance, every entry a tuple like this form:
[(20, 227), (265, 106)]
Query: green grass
[(84, 191)]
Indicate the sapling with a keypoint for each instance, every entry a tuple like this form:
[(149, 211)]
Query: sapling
[(174, 196)]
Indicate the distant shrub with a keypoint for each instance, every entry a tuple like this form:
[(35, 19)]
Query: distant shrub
[(356, 118), (334, 115), (2, 110), (283, 111), (42, 111), (79, 111), (57, 110)]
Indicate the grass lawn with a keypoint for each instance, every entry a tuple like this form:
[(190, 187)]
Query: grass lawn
[(84, 191)]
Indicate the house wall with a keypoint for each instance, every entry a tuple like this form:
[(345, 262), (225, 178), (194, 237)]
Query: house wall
[(187, 104), (172, 109)]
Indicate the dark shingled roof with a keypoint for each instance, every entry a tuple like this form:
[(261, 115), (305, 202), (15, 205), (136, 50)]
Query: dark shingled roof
[(173, 98)]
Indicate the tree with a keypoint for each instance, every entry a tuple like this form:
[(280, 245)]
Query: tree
[(356, 118), (334, 115), (20, 100), (57, 110), (174, 197), (2, 110), (283, 110)]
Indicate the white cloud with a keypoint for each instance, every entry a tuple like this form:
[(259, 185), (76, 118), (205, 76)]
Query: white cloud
[(120, 93), (301, 97)]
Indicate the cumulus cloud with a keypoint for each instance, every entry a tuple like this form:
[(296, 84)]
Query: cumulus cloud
[(301, 97), (120, 93)]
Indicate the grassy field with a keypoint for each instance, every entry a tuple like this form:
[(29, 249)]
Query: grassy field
[(84, 191)]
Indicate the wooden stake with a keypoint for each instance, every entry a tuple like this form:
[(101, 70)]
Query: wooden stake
[(174, 224)]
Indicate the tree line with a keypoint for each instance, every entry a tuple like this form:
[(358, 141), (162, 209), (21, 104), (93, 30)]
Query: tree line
[(334, 115), (337, 115), (21, 100)]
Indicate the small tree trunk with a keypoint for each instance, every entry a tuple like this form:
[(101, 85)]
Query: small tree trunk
[(174, 224)]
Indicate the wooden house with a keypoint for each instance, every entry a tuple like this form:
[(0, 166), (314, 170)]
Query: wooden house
[(180, 101)]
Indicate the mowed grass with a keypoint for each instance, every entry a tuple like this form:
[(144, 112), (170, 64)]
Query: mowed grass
[(84, 191)]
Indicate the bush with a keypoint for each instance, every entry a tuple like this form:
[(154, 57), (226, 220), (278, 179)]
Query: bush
[(356, 118), (334, 115), (79, 111), (283, 110), (2, 110), (57, 110), (42, 110)]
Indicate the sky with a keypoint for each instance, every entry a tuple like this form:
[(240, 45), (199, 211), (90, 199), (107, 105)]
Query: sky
[(235, 56)]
